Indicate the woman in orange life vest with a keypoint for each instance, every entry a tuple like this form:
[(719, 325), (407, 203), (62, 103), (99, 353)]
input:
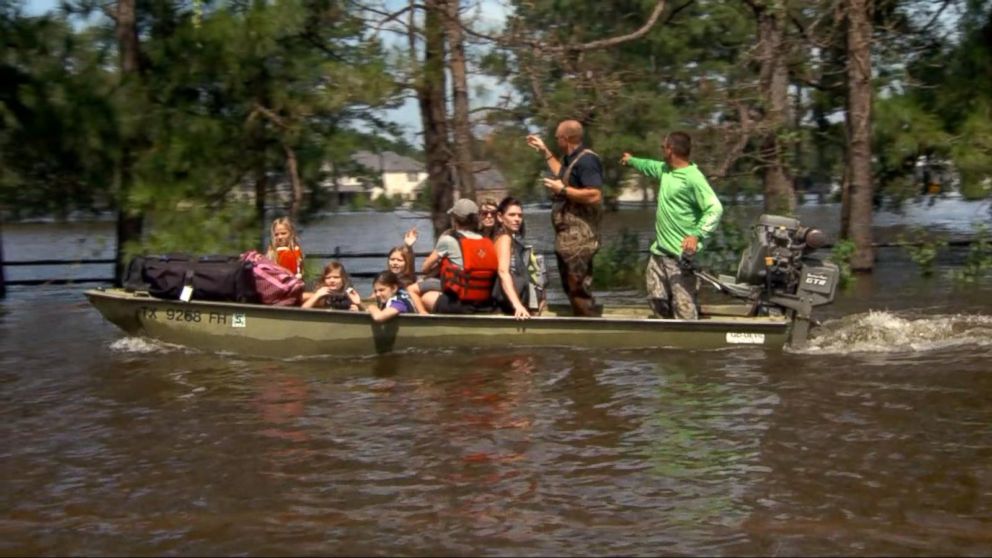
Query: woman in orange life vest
[(284, 248), (468, 265)]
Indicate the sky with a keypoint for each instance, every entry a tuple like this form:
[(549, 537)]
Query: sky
[(489, 15)]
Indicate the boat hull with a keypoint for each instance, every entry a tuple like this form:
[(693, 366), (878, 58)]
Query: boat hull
[(259, 330)]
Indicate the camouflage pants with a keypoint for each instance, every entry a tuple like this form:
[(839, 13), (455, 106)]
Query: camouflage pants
[(671, 291), (576, 280)]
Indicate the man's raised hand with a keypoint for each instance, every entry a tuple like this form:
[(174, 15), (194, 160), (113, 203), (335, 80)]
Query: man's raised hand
[(534, 141)]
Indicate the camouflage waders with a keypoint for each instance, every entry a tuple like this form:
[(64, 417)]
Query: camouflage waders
[(576, 242), (671, 290)]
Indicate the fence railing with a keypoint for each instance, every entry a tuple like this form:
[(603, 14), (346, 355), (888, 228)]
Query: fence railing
[(337, 254)]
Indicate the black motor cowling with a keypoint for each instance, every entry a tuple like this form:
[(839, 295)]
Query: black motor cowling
[(777, 258)]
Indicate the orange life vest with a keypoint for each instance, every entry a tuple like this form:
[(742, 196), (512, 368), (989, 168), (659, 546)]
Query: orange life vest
[(474, 280), (291, 259)]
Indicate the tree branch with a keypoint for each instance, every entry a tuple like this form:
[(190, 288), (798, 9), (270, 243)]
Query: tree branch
[(273, 117), (738, 148), (614, 41), (593, 45), (933, 20)]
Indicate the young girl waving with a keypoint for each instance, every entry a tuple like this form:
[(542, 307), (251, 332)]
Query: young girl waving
[(284, 248), (335, 291)]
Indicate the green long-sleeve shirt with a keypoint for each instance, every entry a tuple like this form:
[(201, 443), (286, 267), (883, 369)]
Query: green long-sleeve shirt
[(687, 205)]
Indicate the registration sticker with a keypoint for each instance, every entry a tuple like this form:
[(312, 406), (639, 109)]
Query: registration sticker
[(239, 320), (745, 338)]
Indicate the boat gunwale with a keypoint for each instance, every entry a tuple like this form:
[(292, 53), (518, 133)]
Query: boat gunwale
[(714, 322)]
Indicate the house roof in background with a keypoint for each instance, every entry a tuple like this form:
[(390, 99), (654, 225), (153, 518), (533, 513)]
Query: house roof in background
[(387, 161), (488, 177)]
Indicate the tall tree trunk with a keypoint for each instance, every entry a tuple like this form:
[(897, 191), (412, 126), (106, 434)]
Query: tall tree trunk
[(129, 222), (459, 86), (859, 132), (845, 191), (335, 190), (292, 168), (431, 96), (780, 197), (261, 190)]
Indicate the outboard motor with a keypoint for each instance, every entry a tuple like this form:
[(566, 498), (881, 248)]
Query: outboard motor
[(776, 257), (776, 272)]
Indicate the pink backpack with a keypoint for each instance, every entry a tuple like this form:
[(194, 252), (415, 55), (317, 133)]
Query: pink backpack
[(275, 285)]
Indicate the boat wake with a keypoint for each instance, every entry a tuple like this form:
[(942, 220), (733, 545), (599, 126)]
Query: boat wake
[(887, 332), (142, 345)]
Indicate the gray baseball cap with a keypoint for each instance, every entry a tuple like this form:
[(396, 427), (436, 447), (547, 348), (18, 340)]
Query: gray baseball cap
[(463, 208)]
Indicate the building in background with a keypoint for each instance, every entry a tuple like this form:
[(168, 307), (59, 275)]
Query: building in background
[(373, 175), (394, 176), (489, 182)]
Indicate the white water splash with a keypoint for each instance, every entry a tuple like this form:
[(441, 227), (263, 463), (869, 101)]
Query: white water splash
[(140, 345), (886, 332)]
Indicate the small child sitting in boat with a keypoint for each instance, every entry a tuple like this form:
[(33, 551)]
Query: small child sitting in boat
[(335, 291), (284, 247), (392, 299), (401, 259)]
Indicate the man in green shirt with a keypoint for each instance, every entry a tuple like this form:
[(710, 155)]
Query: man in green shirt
[(688, 213)]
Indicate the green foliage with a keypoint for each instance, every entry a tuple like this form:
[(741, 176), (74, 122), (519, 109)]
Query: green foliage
[(58, 131), (358, 203), (226, 91), (722, 253), (955, 78), (620, 264), (841, 255), (903, 133), (312, 271), (678, 76), (979, 259), (973, 152), (256, 82), (422, 201), (386, 203), (199, 229), (923, 249)]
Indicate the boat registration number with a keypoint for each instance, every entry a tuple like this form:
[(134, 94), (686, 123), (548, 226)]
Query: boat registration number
[(740, 338), (236, 319)]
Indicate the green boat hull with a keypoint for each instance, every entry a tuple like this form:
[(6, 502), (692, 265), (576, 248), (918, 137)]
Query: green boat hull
[(271, 331)]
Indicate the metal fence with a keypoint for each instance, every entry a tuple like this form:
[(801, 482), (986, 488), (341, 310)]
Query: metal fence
[(336, 255)]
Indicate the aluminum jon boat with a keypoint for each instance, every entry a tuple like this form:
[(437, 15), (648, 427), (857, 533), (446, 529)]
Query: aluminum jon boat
[(777, 286)]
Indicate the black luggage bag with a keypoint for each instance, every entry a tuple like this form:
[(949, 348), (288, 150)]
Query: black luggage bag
[(220, 278)]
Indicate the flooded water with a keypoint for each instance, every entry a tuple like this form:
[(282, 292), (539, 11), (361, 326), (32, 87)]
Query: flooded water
[(877, 440)]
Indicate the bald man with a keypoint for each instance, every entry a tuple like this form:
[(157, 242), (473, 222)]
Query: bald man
[(576, 211)]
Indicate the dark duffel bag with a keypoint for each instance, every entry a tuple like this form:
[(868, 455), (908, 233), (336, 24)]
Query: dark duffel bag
[(134, 275), (222, 278)]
